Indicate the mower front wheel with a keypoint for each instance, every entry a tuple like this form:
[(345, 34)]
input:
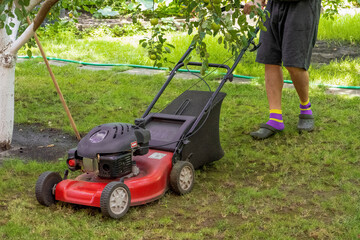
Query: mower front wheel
[(182, 177), (115, 200), (45, 187)]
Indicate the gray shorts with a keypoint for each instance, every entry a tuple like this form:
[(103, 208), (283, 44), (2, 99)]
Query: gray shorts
[(291, 33)]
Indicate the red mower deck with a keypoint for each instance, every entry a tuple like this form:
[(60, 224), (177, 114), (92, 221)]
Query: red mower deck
[(149, 185)]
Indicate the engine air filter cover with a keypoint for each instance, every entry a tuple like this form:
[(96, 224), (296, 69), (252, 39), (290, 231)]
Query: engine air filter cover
[(107, 139), (114, 166)]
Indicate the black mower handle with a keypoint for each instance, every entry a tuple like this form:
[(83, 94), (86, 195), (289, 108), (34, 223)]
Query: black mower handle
[(214, 65), (228, 76)]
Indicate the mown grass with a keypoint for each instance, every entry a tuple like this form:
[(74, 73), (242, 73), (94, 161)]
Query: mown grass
[(103, 49), (293, 186)]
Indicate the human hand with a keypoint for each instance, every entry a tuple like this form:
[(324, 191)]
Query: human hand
[(251, 4)]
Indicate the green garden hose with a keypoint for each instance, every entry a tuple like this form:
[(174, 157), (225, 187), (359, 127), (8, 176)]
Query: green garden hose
[(125, 65), (163, 68)]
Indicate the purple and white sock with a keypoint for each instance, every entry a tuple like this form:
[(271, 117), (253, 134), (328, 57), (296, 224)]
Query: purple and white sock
[(305, 108), (276, 120)]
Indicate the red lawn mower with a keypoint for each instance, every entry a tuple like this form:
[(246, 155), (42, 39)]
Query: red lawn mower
[(132, 164)]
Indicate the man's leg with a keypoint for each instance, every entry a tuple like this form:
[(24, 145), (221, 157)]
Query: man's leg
[(300, 78), (274, 83)]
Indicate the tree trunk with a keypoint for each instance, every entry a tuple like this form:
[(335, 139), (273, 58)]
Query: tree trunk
[(7, 81), (9, 47)]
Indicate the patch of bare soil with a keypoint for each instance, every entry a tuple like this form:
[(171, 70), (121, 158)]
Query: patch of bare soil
[(324, 52), (87, 21), (31, 142)]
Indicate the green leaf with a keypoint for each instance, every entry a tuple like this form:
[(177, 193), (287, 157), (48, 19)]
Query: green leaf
[(204, 67), (108, 12), (161, 39), (86, 8), (204, 25), (252, 14), (244, 40), (18, 13), (2, 7), (10, 14), (187, 60), (3, 17), (167, 49), (241, 20), (12, 24), (29, 53), (236, 14), (190, 31), (202, 35), (220, 39), (8, 30), (23, 10), (262, 27)]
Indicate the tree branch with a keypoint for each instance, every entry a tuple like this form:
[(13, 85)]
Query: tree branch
[(45, 8), (24, 38), (31, 29)]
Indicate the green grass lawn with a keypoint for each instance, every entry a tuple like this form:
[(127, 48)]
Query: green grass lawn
[(104, 49), (342, 28), (293, 186)]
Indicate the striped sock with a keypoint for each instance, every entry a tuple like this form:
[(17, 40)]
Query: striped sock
[(276, 120), (305, 108)]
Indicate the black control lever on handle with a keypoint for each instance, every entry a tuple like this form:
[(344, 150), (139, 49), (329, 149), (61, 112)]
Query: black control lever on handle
[(255, 47)]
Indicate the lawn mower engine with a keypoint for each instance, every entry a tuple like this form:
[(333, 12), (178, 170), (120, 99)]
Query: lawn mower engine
[(108, 150)]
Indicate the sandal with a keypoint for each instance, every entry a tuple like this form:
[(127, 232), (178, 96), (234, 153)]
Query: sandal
[(265, 131), (306, 123)]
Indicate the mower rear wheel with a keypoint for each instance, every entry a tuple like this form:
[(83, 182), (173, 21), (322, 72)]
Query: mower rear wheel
[(45, 186), (182, 177), (115, 200)]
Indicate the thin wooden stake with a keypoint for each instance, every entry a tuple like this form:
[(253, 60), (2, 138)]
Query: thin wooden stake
[(73, 125)]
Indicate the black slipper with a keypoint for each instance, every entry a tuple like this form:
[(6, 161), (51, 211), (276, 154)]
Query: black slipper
[(265, 131), (306, 122)]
